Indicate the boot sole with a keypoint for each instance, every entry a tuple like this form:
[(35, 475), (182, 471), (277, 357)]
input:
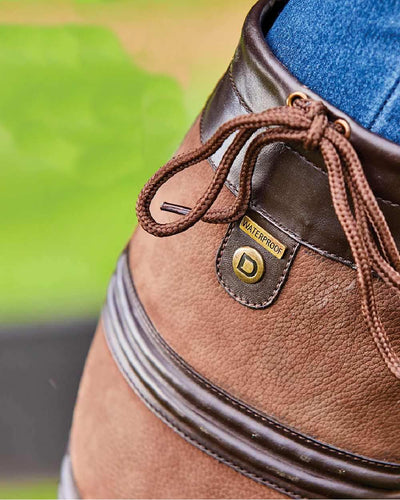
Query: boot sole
[(67, 489)]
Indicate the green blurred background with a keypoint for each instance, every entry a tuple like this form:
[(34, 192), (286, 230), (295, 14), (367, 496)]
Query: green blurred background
[(94, 97)]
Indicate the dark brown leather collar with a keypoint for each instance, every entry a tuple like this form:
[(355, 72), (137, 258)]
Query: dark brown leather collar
[(224, 427), (290, 186)]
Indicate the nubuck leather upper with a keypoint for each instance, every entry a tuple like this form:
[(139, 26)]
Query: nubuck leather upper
[(248, 347)]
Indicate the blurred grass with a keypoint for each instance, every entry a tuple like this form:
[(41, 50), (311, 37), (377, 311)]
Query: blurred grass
[(82, 127), (36, 489), (81, 130)]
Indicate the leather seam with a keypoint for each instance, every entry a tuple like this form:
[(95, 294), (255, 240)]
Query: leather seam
[(249, 110), (254, 205), (263, 212), (206, 383), (297, 153), (271, 219), (191, 440), (289, 232), (236, 90), (238, 298), (388, 202), (308, 244)]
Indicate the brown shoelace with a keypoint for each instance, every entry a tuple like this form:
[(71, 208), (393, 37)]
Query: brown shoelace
[(305, 122)]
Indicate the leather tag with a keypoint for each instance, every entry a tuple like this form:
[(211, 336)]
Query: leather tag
[(254, 235)]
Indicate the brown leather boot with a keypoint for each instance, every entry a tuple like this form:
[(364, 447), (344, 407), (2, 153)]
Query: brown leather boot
[(252, 352)]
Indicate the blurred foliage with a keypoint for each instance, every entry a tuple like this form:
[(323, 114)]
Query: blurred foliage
[(36, 489), (94, 96), (81, 129)]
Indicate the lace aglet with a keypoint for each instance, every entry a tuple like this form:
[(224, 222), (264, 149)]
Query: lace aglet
[(175, 209)]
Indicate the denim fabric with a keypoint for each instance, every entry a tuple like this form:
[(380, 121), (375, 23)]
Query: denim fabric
[(348, 52)]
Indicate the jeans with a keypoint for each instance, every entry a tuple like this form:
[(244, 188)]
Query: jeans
[(348, 52)]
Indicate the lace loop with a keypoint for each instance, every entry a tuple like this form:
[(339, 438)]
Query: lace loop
[(305, 122)]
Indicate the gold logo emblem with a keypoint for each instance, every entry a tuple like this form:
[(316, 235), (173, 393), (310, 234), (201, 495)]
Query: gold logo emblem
[(262, 237), (248, 265)]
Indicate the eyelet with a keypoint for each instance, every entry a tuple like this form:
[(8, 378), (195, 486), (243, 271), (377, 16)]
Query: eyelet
[(345, 126), (295, 95)]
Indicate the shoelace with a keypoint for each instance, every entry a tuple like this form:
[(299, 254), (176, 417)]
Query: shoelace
[(305, 122)]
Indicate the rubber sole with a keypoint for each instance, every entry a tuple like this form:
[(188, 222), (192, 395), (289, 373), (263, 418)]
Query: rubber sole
[(67, 489)]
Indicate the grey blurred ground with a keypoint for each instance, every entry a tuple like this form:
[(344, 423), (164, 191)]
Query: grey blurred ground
[(40, 369)]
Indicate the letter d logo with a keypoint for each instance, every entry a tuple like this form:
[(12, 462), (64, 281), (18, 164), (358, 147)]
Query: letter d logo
[(248, 265)]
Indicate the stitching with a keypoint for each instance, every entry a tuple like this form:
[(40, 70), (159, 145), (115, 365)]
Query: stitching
[(387, 202), (194, 375), (190, 439), (236, 90), (316, 255), (220, 393), (242, 300), (169, 422), (313, 246), (297, 153), (263, 212), (260, 209), (238, 93), (385, 102), (249, 110)]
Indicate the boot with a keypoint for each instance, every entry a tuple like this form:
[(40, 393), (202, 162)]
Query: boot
[(247, 347)]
